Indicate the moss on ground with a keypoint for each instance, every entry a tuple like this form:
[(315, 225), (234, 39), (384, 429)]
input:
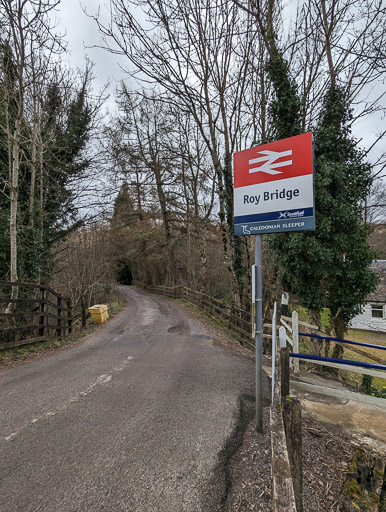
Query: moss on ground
[(364, 484)]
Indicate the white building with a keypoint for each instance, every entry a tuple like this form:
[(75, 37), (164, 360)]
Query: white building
[(373, 315)]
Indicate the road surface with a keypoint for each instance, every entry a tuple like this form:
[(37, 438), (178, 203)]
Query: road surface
[(141, 416)]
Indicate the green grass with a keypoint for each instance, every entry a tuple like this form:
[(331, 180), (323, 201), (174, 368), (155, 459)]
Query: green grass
[(374, 338), (351, 378), (303, 315)]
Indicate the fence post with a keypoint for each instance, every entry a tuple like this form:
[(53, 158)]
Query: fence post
[(83, 312), (292, 419), (285, 371), (273, 351), (58, 317), (295, 339), (69, 316), (282, 337), (42, 311), (62, 316)]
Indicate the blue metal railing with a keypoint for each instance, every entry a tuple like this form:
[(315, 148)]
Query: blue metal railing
[(340, 361), (349, 342)]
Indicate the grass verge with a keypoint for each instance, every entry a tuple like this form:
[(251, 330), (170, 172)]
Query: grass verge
[(216, 323)]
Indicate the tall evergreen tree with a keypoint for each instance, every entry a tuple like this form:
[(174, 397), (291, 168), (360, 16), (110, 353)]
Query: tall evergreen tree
[(340, 207), (65, 125), (284, 109), (328, 267)]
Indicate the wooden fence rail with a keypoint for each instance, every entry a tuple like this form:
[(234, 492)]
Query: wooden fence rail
[(36, 314)]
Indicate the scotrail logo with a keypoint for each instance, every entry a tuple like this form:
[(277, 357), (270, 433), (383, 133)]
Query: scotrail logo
[(291, 215), (269, 160), (246, 230)]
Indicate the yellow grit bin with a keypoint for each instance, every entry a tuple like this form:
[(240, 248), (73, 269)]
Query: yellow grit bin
[(99, 313)]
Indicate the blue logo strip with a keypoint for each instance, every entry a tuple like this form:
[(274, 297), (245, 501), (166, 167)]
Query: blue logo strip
[(298, 213), (275, 226)]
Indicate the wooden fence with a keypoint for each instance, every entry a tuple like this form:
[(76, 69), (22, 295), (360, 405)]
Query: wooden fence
[(286, 440), (37, 313), (40, 313)]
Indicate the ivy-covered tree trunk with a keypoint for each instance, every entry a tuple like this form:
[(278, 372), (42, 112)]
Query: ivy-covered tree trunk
[(236, 244), (201, 237), (340, 331), (314, 319)]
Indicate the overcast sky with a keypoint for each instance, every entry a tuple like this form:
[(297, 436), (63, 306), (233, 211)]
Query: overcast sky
[(82, 36)]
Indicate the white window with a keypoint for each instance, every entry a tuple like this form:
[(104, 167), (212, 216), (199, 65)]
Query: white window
[(377, 310)]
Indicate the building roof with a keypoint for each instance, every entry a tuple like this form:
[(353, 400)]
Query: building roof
[(379, 294)]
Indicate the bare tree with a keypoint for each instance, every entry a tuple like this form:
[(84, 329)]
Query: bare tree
[(27, 32), (83, 261), (200, 54), (147, 124), (198, 180)]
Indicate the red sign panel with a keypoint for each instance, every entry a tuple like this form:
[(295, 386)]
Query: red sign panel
[(286, 158)]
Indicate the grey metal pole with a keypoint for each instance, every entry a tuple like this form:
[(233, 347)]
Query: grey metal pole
[(259, 334)]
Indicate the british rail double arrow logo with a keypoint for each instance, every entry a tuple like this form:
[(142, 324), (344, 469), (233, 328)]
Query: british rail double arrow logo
[(269, 160)]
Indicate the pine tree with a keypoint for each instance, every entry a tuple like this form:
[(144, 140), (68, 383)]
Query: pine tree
[(65, 127)]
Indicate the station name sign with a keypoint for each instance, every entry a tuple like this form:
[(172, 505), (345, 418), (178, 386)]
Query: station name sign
[(274, 187)]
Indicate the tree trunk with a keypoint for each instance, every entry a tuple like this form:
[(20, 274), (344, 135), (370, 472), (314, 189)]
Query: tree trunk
[(201, 234), (33, 177), (340, 330), (41, 206), (165, 218), (314, 319), (14, 180), (14, 193)]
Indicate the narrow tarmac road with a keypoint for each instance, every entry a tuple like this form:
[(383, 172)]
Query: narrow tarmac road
[(141, 417)]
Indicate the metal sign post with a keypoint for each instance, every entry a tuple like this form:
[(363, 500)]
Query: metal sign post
[(259, 334), (273, 193)]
